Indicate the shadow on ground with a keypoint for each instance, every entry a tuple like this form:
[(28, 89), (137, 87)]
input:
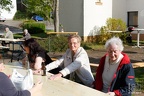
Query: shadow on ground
[(12, 28)]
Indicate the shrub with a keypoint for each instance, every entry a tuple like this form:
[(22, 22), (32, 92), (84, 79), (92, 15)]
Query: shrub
[(34, 27), (113, 25), (59, 43), (86, 45), (54, 43)]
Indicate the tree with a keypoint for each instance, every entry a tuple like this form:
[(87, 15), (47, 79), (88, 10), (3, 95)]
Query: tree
[(6, 5), (56, 15), (45, 8)]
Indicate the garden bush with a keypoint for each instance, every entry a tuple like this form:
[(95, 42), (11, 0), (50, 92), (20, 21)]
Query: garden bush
[(54, 43), (113, 25), (59, 43), (34, 27)]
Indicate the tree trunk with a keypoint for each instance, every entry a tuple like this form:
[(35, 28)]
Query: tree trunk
[(56, 16)]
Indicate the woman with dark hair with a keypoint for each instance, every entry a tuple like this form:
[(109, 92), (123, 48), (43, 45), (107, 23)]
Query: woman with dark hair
[(37, 56)]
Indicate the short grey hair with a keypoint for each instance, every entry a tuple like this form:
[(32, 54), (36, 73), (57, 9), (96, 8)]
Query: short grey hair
[(75, 36), (114, 40)]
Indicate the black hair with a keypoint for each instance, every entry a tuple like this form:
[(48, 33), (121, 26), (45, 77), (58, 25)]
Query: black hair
[(34, 48)]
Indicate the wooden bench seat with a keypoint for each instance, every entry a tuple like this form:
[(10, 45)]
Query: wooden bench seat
[(138, 64), (4, 47), (54, 59), (94, 65)]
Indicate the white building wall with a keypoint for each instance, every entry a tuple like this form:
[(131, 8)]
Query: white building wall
[(10, 15), (137, 5), (95, 16), (71, 15), (84, 16), (119, 9)]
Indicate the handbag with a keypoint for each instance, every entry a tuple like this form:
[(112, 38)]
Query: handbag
[(22, 82)]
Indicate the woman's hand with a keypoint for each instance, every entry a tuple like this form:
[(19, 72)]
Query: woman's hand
[(2, 67), (37, 72), (53, 77)]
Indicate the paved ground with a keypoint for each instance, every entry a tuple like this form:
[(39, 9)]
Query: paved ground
[(15, 26)]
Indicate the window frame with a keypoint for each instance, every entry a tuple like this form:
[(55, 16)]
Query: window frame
[(128, 18)]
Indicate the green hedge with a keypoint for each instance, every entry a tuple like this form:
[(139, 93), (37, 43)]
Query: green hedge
[(34, 27), (54, 43)]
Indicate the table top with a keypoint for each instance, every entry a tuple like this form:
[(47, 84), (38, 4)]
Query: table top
[(59, 87), (138, 29), (62, 33), (115, 31), (13, 40)]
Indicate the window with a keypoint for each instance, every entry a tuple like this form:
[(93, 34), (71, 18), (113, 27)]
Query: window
[(132, 18)]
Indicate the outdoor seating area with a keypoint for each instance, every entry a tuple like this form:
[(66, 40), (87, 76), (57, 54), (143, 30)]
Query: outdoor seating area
[(13, 47), (72, 48), (52, 88), (137, 63)]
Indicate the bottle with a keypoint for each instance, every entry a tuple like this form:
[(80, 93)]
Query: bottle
[(43, 69), (62, 30), (27, 62)]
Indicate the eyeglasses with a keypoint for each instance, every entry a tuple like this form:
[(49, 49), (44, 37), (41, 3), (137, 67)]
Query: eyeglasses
[(112, 51), (73, 43)]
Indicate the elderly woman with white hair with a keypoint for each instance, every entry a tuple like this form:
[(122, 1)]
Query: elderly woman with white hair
[(115, 74)]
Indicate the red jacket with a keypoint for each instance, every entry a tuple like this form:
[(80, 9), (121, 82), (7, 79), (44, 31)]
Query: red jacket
[(123, 81)]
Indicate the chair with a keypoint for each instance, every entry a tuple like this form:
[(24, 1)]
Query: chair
[(4, 50)]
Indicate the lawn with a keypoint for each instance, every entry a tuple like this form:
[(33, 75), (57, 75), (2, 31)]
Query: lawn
[(139, 77)]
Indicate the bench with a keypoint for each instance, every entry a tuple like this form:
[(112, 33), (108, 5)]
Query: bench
[(54, 59), (94, 65), (138, 64), (4, 47)]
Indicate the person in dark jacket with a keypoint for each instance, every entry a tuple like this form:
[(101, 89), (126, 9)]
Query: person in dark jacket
[(115, 74), (26, 35), (8, 89)]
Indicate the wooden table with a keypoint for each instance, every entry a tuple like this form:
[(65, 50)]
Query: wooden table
[(138, 35), (12, 41), (114, 32), (59, 87), (49, 33)]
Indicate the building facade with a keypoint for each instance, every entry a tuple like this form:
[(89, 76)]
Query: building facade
[(10, 15), (87, 16)]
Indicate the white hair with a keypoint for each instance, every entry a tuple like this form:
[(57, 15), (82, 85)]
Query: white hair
[(26, 31), (114, 40)]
